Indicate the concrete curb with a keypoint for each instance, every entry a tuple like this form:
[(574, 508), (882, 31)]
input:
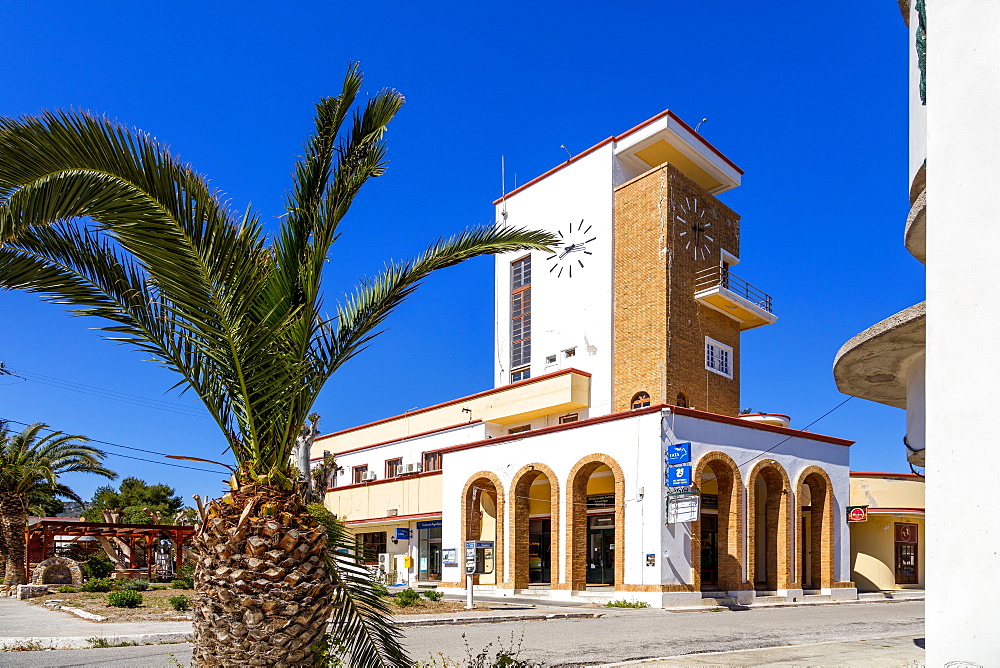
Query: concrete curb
[(8, 644), (497, 619)]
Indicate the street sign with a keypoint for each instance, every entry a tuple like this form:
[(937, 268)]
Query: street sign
[(679, 453), (683, 508), (678, 476)]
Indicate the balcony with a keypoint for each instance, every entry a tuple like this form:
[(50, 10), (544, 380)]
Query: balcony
[(717, 288)]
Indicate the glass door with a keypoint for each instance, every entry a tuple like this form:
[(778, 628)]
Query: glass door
[(540, 551), (601, 550), (709, 552)]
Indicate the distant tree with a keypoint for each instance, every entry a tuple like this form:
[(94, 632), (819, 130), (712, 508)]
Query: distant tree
[(133, 497), (31, 464)]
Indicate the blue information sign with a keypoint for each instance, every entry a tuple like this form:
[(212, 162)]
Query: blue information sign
[(679, 476), (402, 534), (679, 454)]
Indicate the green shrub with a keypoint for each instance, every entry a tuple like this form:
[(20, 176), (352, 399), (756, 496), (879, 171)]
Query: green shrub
[(159, 587), (125, 598), (97, 567), (407, 597), (379, 589), (98, 584), (140, 584), (182, 584), (66, 589), (434, 595), (179, 603), (622, 603)]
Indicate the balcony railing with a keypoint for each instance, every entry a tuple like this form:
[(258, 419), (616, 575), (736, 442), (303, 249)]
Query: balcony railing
[(720, 277)]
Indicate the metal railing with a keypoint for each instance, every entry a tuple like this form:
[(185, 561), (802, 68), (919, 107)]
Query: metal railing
[(721, 277)]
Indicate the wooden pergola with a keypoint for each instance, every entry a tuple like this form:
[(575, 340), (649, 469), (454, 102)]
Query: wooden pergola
[(40, 539)]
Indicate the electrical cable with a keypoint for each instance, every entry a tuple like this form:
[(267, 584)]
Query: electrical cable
[(788, 438)]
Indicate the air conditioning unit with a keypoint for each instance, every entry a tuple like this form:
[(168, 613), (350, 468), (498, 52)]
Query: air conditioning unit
[(369, 476), (409, 468)]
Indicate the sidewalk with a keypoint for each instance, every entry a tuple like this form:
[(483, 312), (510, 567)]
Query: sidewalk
[(901, 652)]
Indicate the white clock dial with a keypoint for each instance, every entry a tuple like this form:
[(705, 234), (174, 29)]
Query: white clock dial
[(574, 252), (694, 228)]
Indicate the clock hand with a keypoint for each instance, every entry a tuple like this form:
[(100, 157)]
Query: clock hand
[(569, 249)]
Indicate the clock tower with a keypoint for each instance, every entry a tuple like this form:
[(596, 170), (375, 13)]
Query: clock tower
[(640, 292)]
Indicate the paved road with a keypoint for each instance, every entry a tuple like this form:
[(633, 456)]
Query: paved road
[(619, 636)]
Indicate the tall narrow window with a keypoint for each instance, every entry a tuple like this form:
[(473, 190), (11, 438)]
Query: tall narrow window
[(718, 357), (520, 319)]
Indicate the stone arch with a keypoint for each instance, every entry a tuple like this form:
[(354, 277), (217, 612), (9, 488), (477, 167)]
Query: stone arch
[(576, 520), (59, 571), (821, 528), (519, 504), (472, 517), (730, 527), (777, 529)]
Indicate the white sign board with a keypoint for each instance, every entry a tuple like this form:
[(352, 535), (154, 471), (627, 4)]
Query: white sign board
[(683, 508)]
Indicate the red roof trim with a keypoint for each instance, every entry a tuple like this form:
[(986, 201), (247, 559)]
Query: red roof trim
[(341, 488), (690, 412), (485, 393), (393, 518), (886, 475), (618, 138), (400, 440)]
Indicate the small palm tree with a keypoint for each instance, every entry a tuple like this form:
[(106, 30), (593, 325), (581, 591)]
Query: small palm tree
[(104, 219), (29, 465)]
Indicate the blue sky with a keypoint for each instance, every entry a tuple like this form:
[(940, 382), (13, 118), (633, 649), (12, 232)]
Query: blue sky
[(808, 98)]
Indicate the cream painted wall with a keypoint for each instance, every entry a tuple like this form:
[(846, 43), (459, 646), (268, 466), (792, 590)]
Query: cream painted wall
[(407, 496), (887, 491), (873, 552)]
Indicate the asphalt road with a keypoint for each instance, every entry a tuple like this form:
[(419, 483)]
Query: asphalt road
[(619, 636)]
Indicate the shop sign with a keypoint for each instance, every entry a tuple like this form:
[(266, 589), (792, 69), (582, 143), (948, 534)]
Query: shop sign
[(402, 534), (683, 508), (906, 533), (449, 556), (432, 524), (678, 476), (600, 501), (857, 513), (679, 453), (710, 501)]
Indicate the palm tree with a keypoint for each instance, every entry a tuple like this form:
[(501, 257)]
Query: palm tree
[(30, 466), (104, 219)]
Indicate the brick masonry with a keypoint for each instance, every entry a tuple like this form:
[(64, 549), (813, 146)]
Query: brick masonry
[(730, 539), (659, 328), (519, 504), (488, 483), (778, 525)]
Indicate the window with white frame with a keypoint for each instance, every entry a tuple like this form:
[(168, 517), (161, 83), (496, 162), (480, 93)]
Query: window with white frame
[(718, 357)]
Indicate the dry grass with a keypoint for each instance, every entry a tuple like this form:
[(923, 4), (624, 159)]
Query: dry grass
[(154, 606)]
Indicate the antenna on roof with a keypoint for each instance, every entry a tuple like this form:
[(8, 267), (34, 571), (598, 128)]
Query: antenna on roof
[(563, 147), (704, 120), (503, 188)]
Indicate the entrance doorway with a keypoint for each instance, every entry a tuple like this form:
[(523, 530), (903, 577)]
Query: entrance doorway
[(601, 549), (540, 551), (429, 549), (709, 552)]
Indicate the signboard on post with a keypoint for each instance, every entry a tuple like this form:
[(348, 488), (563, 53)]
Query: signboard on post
[(857, 513), (683, 508), (679, 453), (479, 557), (679, 476)]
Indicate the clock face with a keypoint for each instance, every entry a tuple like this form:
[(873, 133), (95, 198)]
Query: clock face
[(694, 225), (574, 251)]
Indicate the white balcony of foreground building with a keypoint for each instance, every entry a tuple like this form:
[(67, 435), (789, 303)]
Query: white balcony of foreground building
[(719, 289)]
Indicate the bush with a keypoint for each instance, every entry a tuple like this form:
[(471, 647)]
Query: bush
[(182, 584), (622, 603), (125, 598), (98, 584), (66, 589), (179, 603), (97, 567), (159, 587), (140, 584), (434, 595), (407, 597), (379, 589)]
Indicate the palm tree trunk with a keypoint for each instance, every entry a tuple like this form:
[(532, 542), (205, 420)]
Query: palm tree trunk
[(264, 592), (3, 554), (13, 519)]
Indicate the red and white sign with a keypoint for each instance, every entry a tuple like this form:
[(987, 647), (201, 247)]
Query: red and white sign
[(857, 513)]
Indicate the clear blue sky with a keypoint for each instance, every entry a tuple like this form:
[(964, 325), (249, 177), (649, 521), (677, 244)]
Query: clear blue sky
[(808, 98)]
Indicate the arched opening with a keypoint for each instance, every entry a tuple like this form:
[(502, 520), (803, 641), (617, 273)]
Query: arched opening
[(767, 526), (535, 526), (483, 519), (681, 400), (815, 544), (596, 532), (640, 400), (716, 545)]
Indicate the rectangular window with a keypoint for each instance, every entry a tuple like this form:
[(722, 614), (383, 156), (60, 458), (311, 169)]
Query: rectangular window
[(520, 318), (570, 352), (566, 419), (718, 358), (432, 461), (359, 472), (370, 545), (519, 430), (906, 553), (392, 467)]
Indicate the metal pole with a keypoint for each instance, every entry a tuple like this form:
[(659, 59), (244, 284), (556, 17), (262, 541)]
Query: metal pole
[(469, 605)]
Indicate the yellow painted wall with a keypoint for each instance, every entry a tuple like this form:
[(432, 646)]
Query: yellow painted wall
[(539, 497), (887, 492), (408, 496), (602, 481), (873, 552)]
